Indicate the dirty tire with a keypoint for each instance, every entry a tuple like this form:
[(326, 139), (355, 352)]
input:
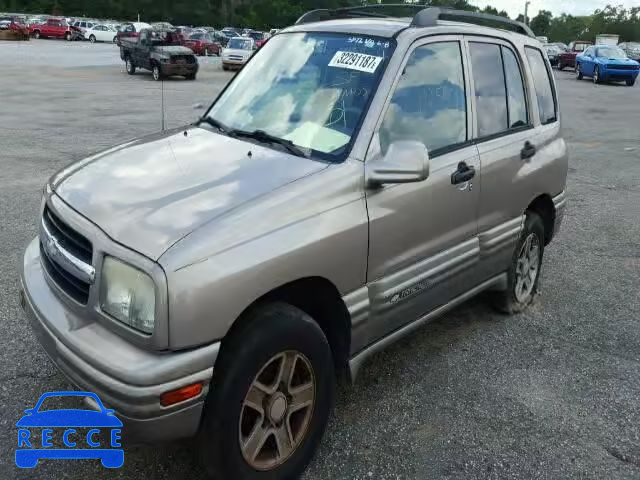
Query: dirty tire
[(508, 301), (131, 68), (266, 332)]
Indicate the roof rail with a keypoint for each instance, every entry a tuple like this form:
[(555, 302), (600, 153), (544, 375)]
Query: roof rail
[(425, 16), (324, 14), (429, 18)]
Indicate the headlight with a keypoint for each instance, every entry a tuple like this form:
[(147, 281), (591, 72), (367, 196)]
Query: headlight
[(128, 295)]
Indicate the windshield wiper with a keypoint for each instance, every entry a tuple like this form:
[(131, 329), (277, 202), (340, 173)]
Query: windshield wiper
[(264, 137), (214, 123)]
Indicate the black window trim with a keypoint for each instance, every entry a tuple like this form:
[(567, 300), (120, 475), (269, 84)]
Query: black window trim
[(551, 84), (502, 43)]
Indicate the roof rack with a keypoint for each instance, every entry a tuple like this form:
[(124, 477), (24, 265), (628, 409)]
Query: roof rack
[(425, 16)]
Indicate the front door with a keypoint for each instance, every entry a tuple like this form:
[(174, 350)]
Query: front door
[(423, 236)]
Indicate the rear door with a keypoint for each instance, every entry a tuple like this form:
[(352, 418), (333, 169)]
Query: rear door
[(423, 236), (506, 138)]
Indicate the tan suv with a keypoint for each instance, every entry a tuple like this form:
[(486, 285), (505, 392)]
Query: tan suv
[(360, 176)]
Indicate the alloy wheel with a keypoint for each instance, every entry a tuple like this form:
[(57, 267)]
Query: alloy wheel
[(277, 411), (156, 73), (527, 267), (596, 75)]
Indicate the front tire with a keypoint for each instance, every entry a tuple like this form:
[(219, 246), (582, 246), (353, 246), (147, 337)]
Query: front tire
[(560, 66), (596, 75), (579, 74), (631, 82), (36, 34), (271, 398), (131, 68), (524, 273), (67, 37), (190, 77)]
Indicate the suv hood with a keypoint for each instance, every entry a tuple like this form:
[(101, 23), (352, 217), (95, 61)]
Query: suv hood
[(172, 50), (148, 194)]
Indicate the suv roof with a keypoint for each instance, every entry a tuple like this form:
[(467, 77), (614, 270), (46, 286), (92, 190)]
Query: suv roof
[(371, 20)]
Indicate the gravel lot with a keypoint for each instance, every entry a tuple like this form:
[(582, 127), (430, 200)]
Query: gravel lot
[(549, 394)]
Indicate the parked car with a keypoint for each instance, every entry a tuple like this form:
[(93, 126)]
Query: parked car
[(300, 227), (203, 44), (231, 32), (553, 52), (221, 38), (238, 52), (101, 33), (632, 49), (4, 24), (258, 37), (607, 63), (84, 24), (56, 28), (562, 46), (160, 52), (183, 33), (568, 58), (130, 30)]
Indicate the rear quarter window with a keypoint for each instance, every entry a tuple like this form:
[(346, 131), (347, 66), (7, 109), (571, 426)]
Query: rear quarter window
[(543, 85)]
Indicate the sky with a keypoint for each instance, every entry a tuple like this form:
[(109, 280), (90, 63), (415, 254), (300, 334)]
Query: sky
[(573, 7)]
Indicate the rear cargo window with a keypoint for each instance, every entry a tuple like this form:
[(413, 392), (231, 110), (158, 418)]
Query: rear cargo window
[(545, 93)]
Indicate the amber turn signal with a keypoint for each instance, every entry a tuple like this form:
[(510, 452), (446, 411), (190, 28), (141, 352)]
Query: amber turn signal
[(180, 395)]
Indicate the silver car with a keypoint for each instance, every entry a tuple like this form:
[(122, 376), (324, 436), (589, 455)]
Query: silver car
[(359, 177)]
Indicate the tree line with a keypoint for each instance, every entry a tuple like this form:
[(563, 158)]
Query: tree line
[(264, 14)]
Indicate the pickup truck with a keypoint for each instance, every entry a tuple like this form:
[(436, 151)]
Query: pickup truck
[(160, 52), (55, 28), (568, 58)]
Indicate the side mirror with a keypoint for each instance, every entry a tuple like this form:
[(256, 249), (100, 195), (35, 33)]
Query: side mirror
[(406, 161)]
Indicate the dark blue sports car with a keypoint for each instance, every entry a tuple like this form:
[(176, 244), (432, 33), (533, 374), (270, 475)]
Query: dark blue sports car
[(607, 63)]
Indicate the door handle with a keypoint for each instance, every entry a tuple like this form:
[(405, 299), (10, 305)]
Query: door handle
[(464, 173), (528, 151)]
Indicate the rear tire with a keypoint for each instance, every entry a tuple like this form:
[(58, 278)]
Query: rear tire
[(67, 37), (36, 34), (524, 273), (560, 66), (115, 40), (131, 68), (291, 415), (156, 73), (92, 39)]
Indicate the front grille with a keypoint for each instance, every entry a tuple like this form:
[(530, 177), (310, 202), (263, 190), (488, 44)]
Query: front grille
[(236, 58), (622, 67), (74, 243), (71, 240), (72, 286), (189, 59)]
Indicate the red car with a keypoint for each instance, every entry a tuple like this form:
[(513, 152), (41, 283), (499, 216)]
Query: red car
[(203, 44), (568, 58), (54, 28), (130, 30)]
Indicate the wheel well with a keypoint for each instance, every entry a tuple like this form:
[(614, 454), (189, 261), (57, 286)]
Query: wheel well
[(320, 299), (543, 206)]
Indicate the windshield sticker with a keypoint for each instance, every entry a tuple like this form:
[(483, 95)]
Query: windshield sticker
[(355, 61)]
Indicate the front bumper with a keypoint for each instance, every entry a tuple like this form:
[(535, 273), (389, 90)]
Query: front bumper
[(620, 75), (170, 69), (125, 377)]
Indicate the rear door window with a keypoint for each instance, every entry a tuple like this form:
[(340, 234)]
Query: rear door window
[(545, 93), (516, 96)]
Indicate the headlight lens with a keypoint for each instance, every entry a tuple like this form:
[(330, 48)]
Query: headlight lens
[(128, 295)]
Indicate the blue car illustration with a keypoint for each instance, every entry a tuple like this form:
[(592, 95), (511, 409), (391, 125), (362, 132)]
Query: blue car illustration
[(62, 422)]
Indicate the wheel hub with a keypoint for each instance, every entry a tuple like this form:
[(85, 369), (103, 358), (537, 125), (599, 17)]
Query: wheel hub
[(278, 406)]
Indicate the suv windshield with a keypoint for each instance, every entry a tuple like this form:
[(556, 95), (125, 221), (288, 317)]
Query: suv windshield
[(308, 88), (611, 52), (240, 43)]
